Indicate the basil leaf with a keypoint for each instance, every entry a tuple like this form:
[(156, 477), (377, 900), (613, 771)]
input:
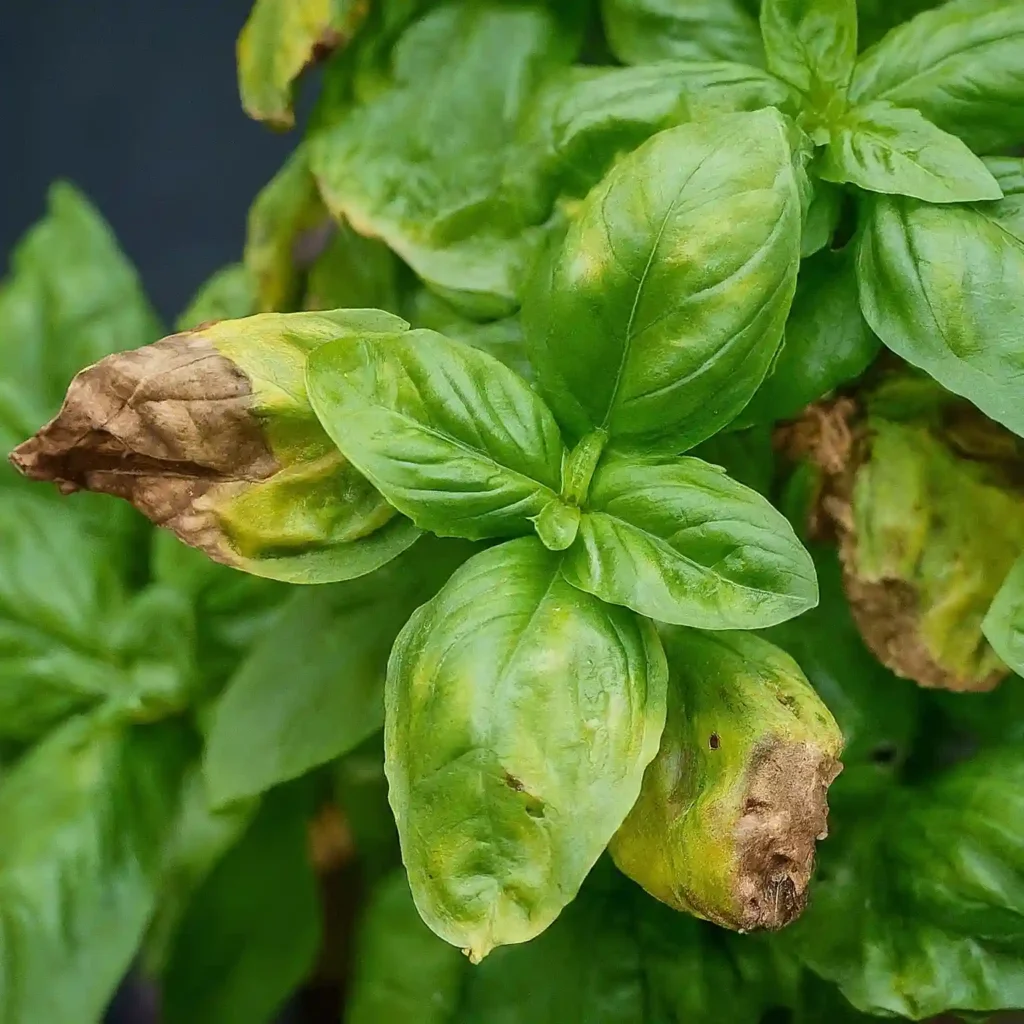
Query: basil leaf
[(876, 711), (403, 973), (352, 272), (884, 148), (280, 39), (659, 315), (812, 44), (644, 31), (821, 218), (252, 932), (216, 441), (86, 815), (919, 904), (1004, 624), (827, 340), (746, 455), (430, 163), (943, 288), (678, 541), (72, 299), (876, 17), (331, 643), (731, 808), (230, 293), (494, 688), (1009, 172), (959, 65), (450, 436)]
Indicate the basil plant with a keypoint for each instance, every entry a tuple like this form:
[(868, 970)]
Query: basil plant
[(595, 496)]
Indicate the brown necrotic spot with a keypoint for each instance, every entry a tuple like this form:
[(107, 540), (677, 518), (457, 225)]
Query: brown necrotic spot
[(168, 427), (713, 741), (784, 813)]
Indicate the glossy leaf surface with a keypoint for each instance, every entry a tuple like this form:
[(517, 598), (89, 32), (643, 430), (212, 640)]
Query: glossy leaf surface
[(1004, 623), (677, 540), (448, 434), (520, 715), (660, 313)]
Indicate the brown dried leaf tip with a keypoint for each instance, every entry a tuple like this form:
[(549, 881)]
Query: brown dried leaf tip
[(168, 427)]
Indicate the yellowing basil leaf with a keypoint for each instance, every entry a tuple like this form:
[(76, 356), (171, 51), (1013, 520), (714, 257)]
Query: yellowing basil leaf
[(678, 541), (331, 643), (812, 44), (1004, 624), (449, 435), (960, 65), (919, 902), (279, 41), (210, 433), (890, 149), (660, 313), (86, 815), (520, 715), (645, 31), (732, 806), (943, 287)]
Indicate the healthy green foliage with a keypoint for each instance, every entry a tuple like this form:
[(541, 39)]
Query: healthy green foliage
[(526, 328)]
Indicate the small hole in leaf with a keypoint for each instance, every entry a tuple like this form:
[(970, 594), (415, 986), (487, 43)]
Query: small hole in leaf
[(713, 742)]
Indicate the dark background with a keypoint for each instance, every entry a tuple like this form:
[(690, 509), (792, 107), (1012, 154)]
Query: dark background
[(136, 102)]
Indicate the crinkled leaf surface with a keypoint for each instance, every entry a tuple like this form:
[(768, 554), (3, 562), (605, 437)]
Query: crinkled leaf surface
[(312, 688), (679, 541), (1004, 623), (660, 313), (448, 434), (429, 161), (960, 65), (644, 31), (520, 715), (943, 287), (83, 822), (883, 148), (919, 903), (827, 340), (252, 931), (812, 44)]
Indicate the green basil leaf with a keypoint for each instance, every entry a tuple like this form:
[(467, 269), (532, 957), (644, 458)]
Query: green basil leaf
[(812, 44), (659, 315), (677, 540), (1004, 624), (331, 644), (284, 217), (960, 65), (876, 17), (644, 31), (431, 165), (1009, 172), (352, 272), (280, 39), (494, 689), (361, 790), (876, 711), (201, 837), (59, 597), (827, 340), (403, 973), (746, 455), (229, 294), (821, 218), (86, 815), (731, 808), (210, 433), (449, 435), (943, 287), (72, 298), (890, 149), (919, 903), (252, 931)]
